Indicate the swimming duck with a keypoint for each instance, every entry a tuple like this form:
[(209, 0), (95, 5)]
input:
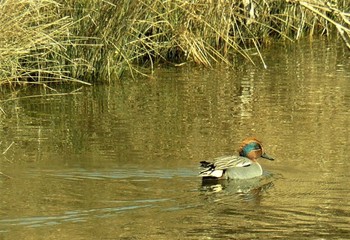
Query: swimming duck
[(244, 166)]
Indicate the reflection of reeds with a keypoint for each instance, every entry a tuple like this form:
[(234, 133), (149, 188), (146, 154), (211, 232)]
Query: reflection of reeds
[(39, 43)]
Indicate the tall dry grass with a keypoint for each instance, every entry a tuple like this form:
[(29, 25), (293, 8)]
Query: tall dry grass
[(138, 35), (33, 42), (44, 41)]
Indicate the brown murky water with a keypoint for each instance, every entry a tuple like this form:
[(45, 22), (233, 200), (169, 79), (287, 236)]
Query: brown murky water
[(120, 162)]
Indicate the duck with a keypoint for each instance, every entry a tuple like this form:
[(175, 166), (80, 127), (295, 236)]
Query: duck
[(243, 166)]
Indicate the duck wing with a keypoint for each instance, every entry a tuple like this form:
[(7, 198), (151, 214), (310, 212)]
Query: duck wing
[(218, 165), (226, 162)]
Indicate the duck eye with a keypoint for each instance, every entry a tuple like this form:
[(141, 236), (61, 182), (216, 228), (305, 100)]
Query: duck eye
[(257, 146)]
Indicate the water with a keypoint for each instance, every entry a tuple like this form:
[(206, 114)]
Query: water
[(120, 162)]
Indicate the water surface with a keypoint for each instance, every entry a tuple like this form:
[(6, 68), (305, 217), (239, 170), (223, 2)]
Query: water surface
[(120, 162)]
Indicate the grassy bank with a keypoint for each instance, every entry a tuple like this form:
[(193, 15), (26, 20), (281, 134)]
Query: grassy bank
[(85, 42)]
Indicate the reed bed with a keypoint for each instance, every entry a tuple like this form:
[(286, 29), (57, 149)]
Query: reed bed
[(33, 43), (83, 41)]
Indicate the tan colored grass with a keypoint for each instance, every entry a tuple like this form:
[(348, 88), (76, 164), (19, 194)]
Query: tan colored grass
[(98, 41), (33, 40)]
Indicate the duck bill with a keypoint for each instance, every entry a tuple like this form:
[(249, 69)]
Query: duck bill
[(264, 155)]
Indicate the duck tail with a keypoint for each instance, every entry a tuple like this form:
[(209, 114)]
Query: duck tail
[(209, 170), (209, 165)]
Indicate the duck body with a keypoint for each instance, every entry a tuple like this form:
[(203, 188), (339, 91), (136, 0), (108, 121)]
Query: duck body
[(244, 166)]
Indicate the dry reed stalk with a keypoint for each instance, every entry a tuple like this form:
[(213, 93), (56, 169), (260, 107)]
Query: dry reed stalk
[(343, 23)]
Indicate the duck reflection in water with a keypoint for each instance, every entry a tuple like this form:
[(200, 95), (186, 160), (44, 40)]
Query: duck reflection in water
[(249, 189)]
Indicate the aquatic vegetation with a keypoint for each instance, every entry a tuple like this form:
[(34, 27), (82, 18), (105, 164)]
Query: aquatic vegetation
[(84, 41)]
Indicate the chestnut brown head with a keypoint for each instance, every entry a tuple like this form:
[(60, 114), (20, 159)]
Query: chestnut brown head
[(252, 148)]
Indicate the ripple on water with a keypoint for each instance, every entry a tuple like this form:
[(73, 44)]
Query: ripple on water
[(70, 216)]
